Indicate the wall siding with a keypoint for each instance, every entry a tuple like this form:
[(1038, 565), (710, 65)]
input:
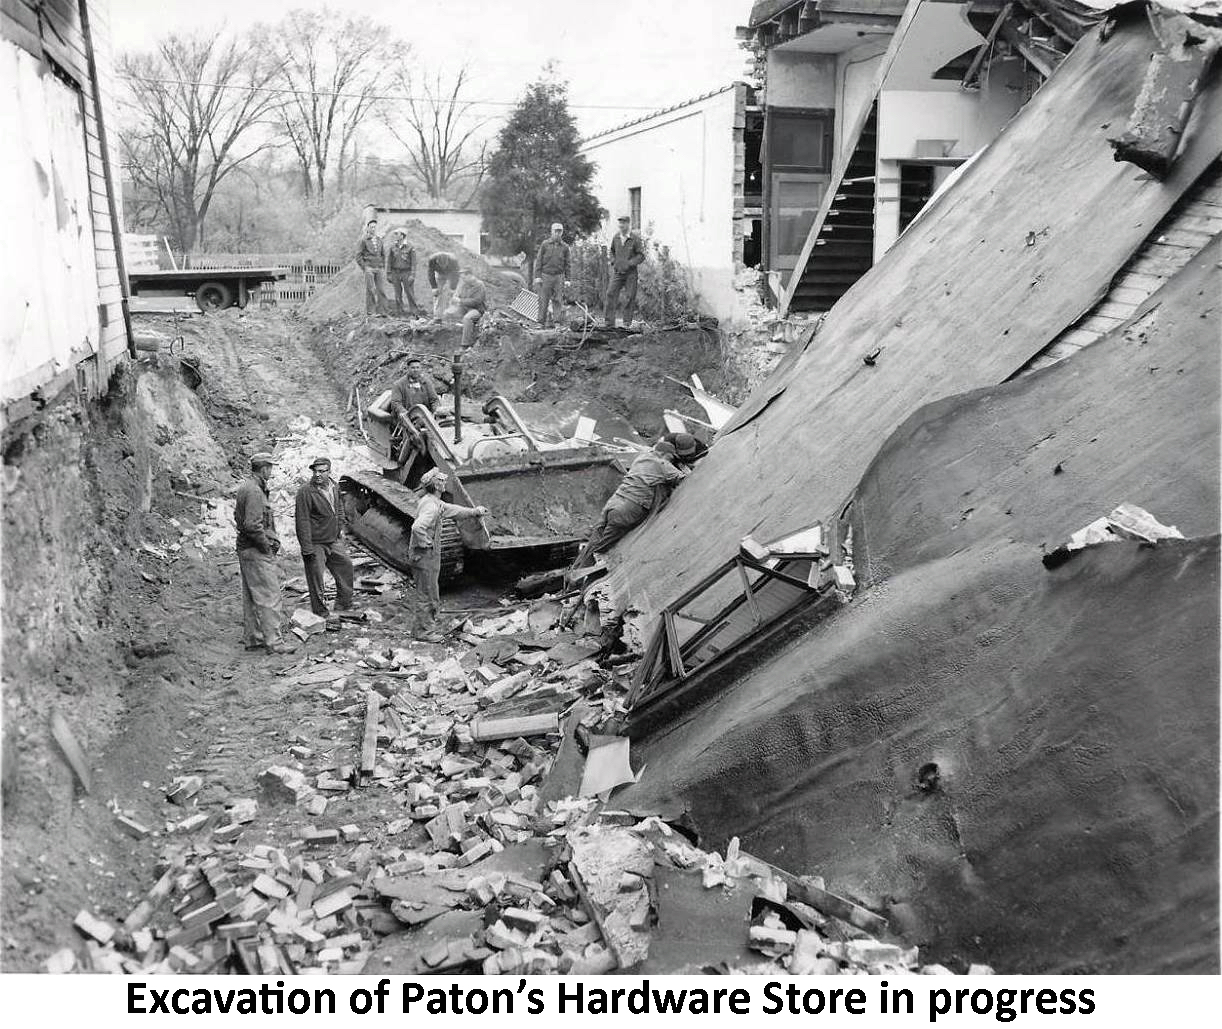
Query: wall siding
[(50, 31)]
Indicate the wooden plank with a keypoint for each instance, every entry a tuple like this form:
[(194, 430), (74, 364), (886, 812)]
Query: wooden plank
[(672, 643), (749, 593), (1139, 281), (64, 737), (845, 155), (1209, 224), (369, 746), (1114, 309), (1185, 238), (21, 36)]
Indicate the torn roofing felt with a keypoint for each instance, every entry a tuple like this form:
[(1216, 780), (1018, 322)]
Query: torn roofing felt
[(1072, 714), (1031, 233)]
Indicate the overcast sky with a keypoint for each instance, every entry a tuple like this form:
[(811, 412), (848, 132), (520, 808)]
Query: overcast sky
[(620, 58)]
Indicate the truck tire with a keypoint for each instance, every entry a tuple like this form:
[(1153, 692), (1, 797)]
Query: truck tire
[(213, 296)]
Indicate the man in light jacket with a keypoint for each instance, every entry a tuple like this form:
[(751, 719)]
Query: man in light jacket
[(552, 274), (424, 552)]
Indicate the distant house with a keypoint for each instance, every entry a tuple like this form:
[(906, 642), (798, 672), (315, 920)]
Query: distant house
[(461, 225), (869, 106), (684, 177), (64, 321)]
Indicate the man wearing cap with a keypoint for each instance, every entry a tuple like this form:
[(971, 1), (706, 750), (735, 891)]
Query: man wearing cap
[(257, 547), (319, 520), (646, 484), (371, 259), (443, 280), (627, 252), (688, 449), (424, 551), (552, 274), (401, 271), (414, 388)]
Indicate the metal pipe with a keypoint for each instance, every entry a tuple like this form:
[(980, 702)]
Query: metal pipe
[(456, 368)]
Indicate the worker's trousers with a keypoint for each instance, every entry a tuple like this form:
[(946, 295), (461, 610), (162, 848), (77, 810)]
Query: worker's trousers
[(402, 285), (551, 292), (425, 598), (625, 281), (618, 517), (470, 322), (375, 291), (260, 597), (334, 558)]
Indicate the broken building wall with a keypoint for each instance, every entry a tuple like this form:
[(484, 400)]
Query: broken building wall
[(1008, 758)]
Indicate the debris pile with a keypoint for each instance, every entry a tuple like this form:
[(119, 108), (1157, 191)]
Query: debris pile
[(500, 854)]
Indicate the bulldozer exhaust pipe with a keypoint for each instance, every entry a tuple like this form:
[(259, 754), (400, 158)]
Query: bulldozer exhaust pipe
[(456, 368)]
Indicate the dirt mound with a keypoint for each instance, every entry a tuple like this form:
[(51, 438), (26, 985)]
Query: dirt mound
[(345, 294)]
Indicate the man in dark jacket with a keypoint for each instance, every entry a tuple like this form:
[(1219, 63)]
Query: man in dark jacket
[(257, 547), (552, 274), (627, 253), (414, 388), (371, 259), (319, 521), (443, 280), (401, 271)]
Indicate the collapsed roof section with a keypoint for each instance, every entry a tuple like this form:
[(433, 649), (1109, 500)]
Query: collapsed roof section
[(1023, 760), (1000, 265)]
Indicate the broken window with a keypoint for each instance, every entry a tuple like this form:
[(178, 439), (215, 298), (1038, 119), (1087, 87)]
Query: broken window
[(732, 606)]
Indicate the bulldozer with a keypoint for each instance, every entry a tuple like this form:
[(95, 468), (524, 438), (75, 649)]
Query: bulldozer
[(542, 492)]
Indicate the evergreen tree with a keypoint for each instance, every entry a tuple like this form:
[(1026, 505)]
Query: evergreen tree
[(536, 175)]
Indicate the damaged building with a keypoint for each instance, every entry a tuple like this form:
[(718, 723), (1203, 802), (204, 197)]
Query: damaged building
[(992, 749), (869, 108)]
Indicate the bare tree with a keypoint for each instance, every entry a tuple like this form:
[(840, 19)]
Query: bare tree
[(195, 110), (331, 69), (435, 127)]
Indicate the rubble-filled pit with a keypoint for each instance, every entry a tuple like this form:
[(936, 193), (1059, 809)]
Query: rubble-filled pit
[(229, 824)]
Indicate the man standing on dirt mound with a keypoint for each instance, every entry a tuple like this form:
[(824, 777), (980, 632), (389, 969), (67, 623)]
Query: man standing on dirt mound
[(258, 545), (371, 259), (424, 552), (401, 272), (319, 520), (552, 276), (627, 253)]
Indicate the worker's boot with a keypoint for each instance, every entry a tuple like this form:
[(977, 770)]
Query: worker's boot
[(280, 647)]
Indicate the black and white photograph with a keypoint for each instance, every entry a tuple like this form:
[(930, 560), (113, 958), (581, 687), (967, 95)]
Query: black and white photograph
[(643, 490)]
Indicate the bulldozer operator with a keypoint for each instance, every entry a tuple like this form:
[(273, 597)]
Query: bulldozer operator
[(414, 388)]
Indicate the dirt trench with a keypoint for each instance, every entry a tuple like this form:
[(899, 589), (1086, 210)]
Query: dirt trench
[(149, 671), (122, 611)]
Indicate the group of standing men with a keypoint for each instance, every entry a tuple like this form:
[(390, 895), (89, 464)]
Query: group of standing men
[(454, 289), (319, 522), (552, 270)]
